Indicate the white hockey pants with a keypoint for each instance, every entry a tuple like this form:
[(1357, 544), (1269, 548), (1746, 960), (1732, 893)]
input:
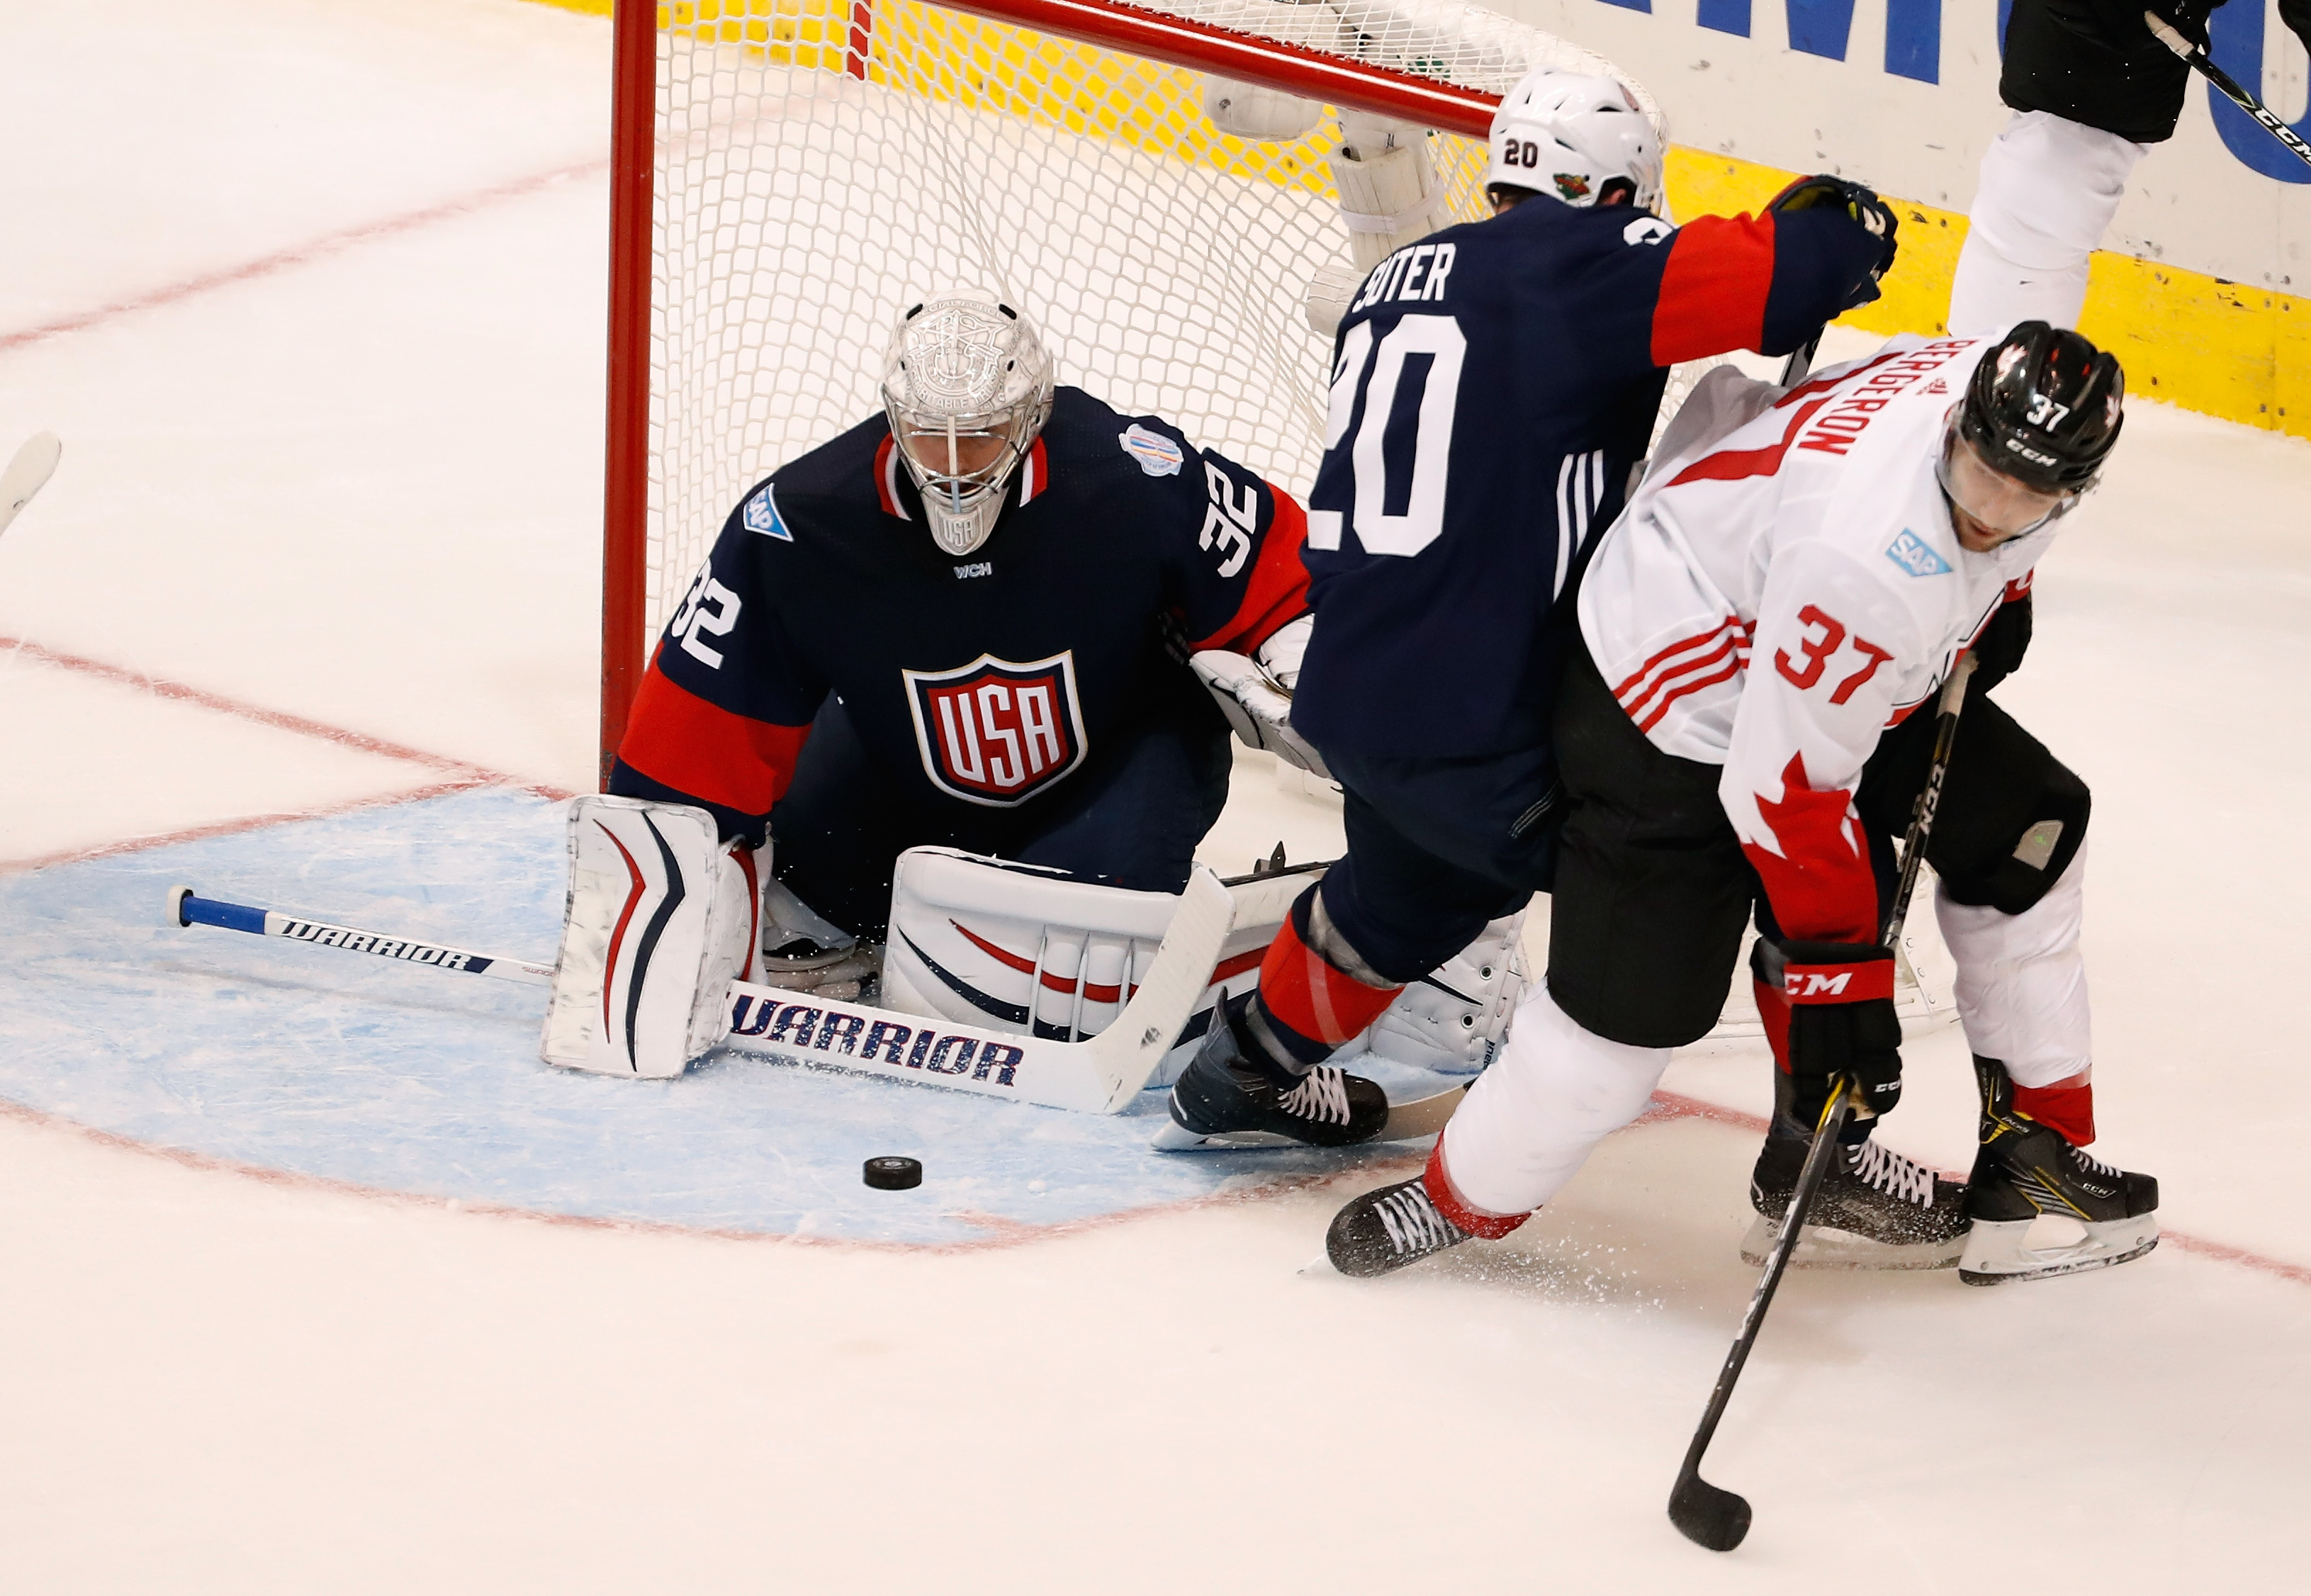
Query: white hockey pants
[(2021, 983), (2049, 187)]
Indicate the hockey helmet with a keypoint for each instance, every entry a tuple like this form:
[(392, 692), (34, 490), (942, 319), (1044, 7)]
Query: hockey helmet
[(2044, 407), (1573, 136), (966, 386)]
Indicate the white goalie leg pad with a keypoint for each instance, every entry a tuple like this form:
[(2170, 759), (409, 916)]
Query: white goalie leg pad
[(1532, 1120), (1015, 947), (1455, 1019), (2021, 983), (1390, 196), (658, 922)]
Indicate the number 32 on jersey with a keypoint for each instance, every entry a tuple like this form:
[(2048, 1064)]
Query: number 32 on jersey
[(1409, 380)]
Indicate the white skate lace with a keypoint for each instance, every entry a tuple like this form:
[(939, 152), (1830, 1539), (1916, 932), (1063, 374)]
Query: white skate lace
[(2095, 1165), (1412, 1222), (1321, 1094), (1894, 1175)]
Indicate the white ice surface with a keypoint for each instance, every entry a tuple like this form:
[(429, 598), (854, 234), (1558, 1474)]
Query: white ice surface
[(364, 489)]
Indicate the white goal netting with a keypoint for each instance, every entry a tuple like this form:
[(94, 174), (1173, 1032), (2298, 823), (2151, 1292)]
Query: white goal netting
[(821, 164)]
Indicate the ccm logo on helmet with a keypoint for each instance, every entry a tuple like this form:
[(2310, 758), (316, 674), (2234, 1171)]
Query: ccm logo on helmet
[(1796, 985), (995, 733)]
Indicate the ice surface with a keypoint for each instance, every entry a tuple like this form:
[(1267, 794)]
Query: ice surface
[(363, 488)]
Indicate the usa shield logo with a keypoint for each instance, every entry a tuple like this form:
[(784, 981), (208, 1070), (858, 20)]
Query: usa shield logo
[(995, 733)]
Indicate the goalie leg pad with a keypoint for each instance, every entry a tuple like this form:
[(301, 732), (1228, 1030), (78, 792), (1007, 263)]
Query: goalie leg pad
[(1015, 947), (660, 919)]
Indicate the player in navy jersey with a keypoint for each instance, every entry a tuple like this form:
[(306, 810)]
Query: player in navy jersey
[(963, 622), (1493, 388)]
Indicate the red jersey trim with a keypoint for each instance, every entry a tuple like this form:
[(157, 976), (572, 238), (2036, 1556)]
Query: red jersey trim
[(887, 477), (679, 740), (1733, 464), (1820, 883), (1276, 590), (1713, 287)]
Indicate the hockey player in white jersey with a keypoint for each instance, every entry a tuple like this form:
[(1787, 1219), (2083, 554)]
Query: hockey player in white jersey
[(1796, 576)]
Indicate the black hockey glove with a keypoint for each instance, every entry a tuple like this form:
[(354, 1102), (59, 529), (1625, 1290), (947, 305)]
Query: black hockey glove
[(1857, 201), (1841, 1022)]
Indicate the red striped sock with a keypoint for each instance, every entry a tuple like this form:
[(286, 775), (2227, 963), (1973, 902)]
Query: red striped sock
[(2065, 1108), (1306, 994), (1454, 1207)]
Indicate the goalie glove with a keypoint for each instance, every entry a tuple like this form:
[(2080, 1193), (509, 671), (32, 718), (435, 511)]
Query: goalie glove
[(658, 922), (1256, 695)]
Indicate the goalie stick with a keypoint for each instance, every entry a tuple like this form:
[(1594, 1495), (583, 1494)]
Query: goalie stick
[(27, 474), (1099, 1076), (2225, 85), (185, 909), (1709, 1515)]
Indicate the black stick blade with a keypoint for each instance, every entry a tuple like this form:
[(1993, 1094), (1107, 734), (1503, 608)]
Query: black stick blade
[(1707, 1516)]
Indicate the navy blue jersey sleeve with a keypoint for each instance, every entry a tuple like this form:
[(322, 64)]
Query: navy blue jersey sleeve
[(1719, 284), (1231, 542), (728, 701)]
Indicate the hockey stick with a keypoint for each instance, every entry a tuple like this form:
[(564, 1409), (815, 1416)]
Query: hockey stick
[(27, 474), (187, 909), (1098, 1076), (1800, 360), (2225, 85), (1704, 1513)]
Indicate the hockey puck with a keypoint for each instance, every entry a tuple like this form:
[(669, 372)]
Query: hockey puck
[(894, 1174)]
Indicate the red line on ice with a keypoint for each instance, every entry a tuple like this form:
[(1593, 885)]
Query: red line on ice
[(227, 828), (472, 774), (265, 265)]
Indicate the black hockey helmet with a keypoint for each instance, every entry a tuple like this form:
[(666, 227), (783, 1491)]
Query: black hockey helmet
[(2045, 408)]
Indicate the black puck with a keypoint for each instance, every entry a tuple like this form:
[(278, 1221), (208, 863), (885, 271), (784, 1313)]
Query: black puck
[(894, 1174)]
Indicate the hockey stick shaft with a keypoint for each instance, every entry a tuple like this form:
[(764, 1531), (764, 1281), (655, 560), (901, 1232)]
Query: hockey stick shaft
[(2225, 85), (1719, 1518), (185, 909), (27, 474)]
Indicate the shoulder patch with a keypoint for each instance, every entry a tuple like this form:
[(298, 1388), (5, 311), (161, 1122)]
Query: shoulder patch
[(760, 515), (1915, 555), (1157, 455)]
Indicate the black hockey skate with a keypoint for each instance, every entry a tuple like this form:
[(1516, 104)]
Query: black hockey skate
[(1875, 1209), (1229, 1089), (1384, 1230), (2026, 1169)]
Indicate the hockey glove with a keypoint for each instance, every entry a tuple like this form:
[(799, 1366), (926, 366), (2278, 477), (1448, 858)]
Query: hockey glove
[(1257, 710), (1860, 203), (1841, 1022)]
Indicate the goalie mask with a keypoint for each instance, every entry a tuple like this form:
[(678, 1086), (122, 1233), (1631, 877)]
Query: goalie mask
[(967, 387), (1573, 137)]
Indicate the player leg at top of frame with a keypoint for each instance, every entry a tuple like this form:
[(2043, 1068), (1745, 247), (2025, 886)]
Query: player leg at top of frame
[(965, 624)]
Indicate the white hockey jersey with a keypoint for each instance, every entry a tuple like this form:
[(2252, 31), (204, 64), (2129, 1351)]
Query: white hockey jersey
[(1804, 535)]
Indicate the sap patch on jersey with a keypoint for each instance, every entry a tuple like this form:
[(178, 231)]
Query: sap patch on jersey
[(1915, 555), (761, 514), (995, 733), (1157, 455)]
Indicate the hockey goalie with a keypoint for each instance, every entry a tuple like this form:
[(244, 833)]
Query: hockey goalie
[(940, 668)]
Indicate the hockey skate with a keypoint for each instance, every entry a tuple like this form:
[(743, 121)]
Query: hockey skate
[(1385, 1229), (1875, 1209), (2026, 1170), (1228, 1089)]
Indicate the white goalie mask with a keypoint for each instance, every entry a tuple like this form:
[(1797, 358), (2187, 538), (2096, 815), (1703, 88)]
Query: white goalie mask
[(967, 387), (1567, 135)]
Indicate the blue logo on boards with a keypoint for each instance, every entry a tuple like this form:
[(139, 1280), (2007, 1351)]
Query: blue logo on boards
[(762, 515), (1915, 555)]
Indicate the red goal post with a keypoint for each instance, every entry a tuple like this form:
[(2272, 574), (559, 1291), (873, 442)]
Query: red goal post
[(785, 173)]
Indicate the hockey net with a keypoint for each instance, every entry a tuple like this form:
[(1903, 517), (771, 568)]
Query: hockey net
[(792, 174)]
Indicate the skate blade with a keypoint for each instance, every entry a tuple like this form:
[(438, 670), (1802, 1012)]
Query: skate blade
[(1996, 1253), (1826, 1247), (1407, 1121)]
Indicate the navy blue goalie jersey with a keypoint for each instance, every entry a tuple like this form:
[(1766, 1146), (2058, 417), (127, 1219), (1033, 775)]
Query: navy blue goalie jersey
[(985, 679), (1492, 388)]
